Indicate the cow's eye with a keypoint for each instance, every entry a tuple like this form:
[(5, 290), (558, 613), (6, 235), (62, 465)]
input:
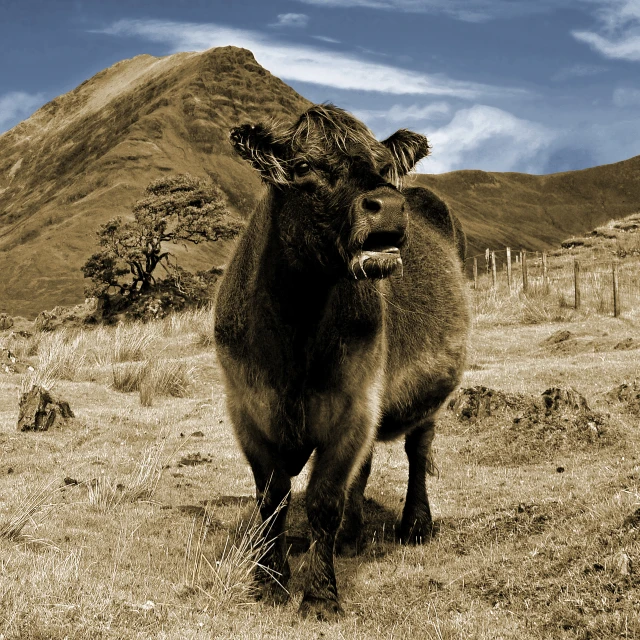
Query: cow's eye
[(301, 169), (386, 170)]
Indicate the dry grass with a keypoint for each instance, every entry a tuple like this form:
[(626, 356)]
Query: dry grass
[(227, 579), (105, 494), (30, 510), (133, 342), (153, 378), (539, 522)]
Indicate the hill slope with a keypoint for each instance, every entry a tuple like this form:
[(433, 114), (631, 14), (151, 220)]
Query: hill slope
[(537, 212), (86, 157)]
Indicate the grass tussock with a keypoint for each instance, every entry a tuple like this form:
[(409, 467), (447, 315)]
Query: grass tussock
[(105, 494), (229, 579), (133, 342), (31, 510), (60, 355), (127, 377), (153, 378)]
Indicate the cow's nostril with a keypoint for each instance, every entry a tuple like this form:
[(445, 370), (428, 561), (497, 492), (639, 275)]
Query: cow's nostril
[(372, 205)]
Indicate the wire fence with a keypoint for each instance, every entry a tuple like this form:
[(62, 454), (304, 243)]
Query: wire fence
[(608, 286)]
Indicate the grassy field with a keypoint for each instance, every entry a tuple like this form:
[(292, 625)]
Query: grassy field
[(134, 519)]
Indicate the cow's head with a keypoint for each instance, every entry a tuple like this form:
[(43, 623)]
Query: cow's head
[(335, 189)]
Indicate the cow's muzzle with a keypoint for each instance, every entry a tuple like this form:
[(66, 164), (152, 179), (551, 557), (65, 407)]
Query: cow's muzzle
[(378, 235)]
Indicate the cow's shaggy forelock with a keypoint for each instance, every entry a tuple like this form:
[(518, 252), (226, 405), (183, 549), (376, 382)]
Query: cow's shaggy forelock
[(329, 135)]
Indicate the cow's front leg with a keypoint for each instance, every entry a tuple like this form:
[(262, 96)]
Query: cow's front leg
[(417, 525), (326, 496), (273, 487), (351, 537)]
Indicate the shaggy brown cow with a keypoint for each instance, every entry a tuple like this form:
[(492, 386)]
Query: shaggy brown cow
[(341, 320)]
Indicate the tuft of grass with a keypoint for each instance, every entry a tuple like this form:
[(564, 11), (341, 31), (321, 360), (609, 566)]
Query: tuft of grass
[(205, 327), (133, 342), (60, 355), (152, 378), (37, 503), (170, 377), (127, 376), (106, 494), (230, 579)]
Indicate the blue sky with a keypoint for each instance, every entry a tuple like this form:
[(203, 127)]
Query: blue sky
[(506, 85)]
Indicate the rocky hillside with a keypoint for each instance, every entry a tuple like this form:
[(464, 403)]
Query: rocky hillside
[(87, 156)]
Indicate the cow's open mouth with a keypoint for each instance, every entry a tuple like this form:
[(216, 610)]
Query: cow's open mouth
[(379, 256)]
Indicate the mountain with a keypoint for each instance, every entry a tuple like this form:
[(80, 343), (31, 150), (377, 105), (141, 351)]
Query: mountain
[(87, 156), (536, 212)]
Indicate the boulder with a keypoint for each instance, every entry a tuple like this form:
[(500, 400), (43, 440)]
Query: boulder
[(40, 410)]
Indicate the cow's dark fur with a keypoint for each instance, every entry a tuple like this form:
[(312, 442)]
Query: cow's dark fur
[(317, 360)]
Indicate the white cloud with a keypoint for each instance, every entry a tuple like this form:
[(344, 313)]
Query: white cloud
[(298, 20), (577, 71), (465, 10), (625, 97), (305, 63), (399, 113), (16, 106), (619, 35), (488, 138), (326, 39)]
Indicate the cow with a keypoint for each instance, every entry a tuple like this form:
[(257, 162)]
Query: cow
[(341, 320)]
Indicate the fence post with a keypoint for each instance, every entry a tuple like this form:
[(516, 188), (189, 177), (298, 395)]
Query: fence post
[(545, 274), (475, 273), (509, 267), (576, 283), (525, 272), (616, 292), (493, 269), (487, 259)]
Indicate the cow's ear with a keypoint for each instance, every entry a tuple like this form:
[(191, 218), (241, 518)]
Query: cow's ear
[(407, 148), (258, 145)]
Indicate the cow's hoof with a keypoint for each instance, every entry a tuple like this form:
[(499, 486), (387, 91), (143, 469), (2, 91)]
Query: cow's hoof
[(320, 609), (272, 594), (417, 532), (350, 546)]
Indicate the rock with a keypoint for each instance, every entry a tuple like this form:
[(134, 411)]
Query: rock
[(6, 322), (46, 321), (620, 564), (40, 410)]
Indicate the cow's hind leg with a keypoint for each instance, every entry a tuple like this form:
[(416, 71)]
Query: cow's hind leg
[(351, 537), (273, 488), (325, 501), (416, 525)]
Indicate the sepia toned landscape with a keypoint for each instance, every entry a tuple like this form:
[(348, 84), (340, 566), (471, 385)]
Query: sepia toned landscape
[(133, 515)]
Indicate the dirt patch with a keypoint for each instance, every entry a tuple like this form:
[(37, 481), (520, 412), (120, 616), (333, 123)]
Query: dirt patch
[(567, 343), (513, 429), (558, 336), (480, 402), (194, 459), (626, 394)]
